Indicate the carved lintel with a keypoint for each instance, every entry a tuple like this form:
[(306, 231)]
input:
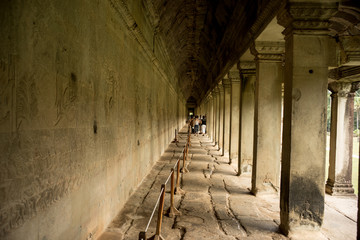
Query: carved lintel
[(347, 73), (349, 47), (248, 65), (307, 18), (347, 20)]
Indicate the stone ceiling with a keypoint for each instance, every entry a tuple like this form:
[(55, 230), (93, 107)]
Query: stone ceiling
[(204, 38)]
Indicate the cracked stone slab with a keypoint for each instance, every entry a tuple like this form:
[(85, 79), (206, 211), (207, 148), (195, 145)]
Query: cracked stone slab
[(255, 226), (219, 207), (202, 157), (205, 235), (233, 228), (224, 170)]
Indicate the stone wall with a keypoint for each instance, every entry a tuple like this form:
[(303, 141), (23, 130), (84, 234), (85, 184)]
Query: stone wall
[(87, 105)]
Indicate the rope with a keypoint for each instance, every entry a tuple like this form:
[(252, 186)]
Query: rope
[(152, 214)]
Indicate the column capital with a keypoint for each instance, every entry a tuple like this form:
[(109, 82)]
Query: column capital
[(355, 86), (247, 68), (215, 91), (307, 18), (226, 82), (234, 76), (268, 50), (220, 86), (340, 89)]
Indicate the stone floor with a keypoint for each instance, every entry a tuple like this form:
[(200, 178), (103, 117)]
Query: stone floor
[(217, 203)]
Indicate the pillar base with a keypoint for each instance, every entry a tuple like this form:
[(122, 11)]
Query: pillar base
[(339, 189), (266, 189)]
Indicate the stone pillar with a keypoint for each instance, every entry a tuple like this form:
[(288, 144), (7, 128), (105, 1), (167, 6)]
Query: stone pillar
[(304, 130), (246, 126), (226, 114), (234, 77), (267, 116), (341, 138), (221, 116), (209, 118), (216, 115)]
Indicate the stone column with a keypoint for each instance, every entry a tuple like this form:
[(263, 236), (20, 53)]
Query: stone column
[(304, 130), (209, 118), (221, 116), (216, 115), (267, 116), (226, 114), (246, 126), (234, 77), (341, 138)]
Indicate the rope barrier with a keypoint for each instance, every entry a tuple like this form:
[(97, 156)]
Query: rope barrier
[(152, 214), (172, 211)]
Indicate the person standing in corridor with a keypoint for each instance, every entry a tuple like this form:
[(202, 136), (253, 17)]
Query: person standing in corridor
[(203, 125), (197, 123)]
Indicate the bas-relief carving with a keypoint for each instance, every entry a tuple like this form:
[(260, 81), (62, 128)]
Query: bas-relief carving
[(110, 90), (23, 94), (66, 96), (26, 100), (308, 213), (66, 87), (7, 83), (307, 206)]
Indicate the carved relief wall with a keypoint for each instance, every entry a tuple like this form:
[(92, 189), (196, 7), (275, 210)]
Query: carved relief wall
[(85, 111)]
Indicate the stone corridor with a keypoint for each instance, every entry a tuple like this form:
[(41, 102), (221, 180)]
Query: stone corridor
[(217, 204)]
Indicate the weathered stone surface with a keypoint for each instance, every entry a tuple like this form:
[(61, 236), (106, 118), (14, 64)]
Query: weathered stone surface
[(304, 130), (220, 207), (85, 111), (245, 157), (267, 117)]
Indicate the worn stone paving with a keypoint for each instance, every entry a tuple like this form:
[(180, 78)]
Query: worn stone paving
[(216, 204)]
